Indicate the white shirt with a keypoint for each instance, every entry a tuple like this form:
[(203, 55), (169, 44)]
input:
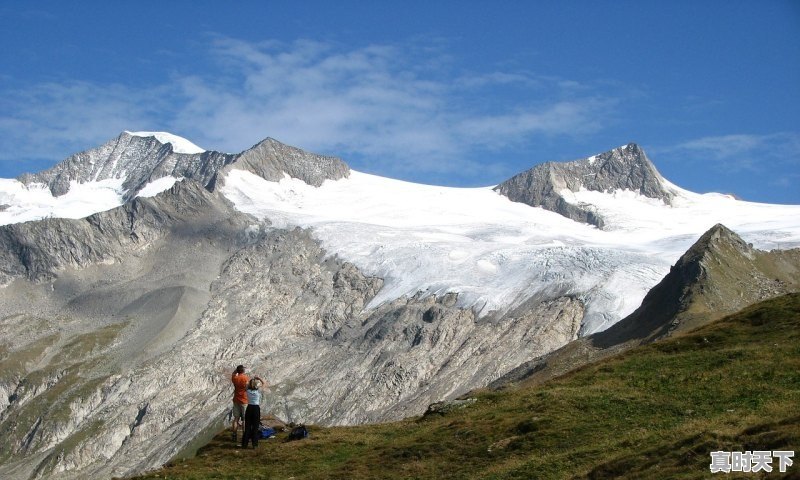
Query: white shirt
[(253, 397)]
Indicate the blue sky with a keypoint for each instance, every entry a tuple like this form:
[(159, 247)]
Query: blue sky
[(450, 93)]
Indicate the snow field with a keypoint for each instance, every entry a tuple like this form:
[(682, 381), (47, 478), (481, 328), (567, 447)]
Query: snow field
[(496, 253)]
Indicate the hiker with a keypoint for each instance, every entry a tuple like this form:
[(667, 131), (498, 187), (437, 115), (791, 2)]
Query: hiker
[(252, 416), (239, 380)]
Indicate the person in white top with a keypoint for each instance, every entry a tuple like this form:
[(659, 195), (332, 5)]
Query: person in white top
[(252, 416)]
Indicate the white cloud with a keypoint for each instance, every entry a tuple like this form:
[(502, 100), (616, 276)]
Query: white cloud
[(400, 107), (54, 120), (562, 118), (742, 151), (378, 102)]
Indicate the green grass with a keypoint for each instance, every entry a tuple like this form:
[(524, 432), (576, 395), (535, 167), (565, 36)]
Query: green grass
[(15, 363), (653, 412)]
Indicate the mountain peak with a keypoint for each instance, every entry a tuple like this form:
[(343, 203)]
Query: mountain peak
[(135, 157), (719, 274), (139, 158), (718, 240), (623, 168), (179, 144), (631, 146), (271, 159)]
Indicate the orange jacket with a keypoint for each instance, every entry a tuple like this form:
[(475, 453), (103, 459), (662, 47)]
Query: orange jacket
[(240, 387)]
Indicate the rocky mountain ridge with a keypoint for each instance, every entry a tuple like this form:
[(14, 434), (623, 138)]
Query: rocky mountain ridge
[(623, 168), (718, 275), (140, 160), (38, 250)]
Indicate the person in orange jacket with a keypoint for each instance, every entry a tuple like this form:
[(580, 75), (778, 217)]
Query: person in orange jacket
[(239, 380)]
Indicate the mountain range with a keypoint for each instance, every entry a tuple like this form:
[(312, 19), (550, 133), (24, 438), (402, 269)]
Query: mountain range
[(137, 274)]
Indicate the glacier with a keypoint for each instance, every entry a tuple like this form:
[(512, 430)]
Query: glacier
[(496, 253)]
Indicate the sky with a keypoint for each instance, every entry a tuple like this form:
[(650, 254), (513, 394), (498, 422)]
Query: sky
[(449, 93)]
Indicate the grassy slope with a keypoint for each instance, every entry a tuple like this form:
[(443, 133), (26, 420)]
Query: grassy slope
[(652, 412)]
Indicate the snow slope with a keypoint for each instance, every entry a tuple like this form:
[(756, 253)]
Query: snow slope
[(496, 253), (34, 202), (21, 203), (179, 144)]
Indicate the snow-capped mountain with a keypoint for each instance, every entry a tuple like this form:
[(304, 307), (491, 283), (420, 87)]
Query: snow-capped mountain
[(495, 254), (148, 266), (550, 184), (144, 164)]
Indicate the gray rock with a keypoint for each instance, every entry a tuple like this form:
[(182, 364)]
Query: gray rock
[(38, 250), (626, 168), (443, 408), (271, 159), (140, 160)]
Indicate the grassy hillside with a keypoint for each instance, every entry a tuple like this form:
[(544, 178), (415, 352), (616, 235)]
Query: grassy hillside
[(652, 412)]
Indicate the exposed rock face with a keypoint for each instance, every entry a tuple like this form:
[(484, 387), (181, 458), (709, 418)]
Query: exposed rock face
[(120, 331), (270, 159), (719, 275), (140, 160), (624, 168), (38, 250)]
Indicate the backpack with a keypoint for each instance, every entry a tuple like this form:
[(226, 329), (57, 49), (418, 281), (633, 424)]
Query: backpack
[(267, 432), (298, 433)]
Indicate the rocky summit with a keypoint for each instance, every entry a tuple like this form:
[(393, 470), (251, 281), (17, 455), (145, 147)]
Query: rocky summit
[(139, 160), (623, 168), (136, 275)]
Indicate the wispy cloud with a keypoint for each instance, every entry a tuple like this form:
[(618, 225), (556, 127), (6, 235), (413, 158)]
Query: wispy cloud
[(401, 107), (52, 120), (398, 107), (741, 152)]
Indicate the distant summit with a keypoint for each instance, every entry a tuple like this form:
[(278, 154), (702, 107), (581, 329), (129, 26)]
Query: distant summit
[(139, 158), (623, 168)]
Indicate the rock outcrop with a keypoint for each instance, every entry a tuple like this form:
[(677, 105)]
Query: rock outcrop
[(624, 168), (272, 160), (38, 250)]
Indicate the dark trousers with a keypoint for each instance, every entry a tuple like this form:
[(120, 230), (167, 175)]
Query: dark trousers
[(252, 420)]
